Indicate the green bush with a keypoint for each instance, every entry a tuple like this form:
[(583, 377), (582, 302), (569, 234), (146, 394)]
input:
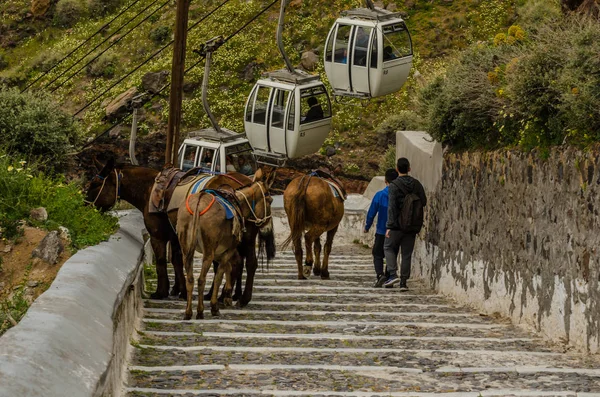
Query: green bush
[(388, 160), (34, 127), (69, 12), (45, 61), (161, 34), (523, 89), (104, 66), (404, 120), (3, 61), (24, 188), (102, 7)]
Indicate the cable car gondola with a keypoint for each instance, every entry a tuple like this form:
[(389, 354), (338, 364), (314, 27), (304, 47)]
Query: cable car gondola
[(368, 53), (288, 113)]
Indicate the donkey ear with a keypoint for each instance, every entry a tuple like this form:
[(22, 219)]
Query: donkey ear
[(259, 175), (97, 165), (270, 177), (108, 167)]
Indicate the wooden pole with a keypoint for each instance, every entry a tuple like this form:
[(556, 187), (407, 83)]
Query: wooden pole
[(177, 70)]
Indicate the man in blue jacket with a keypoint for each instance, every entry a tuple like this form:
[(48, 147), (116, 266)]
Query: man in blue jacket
[(379, 207)]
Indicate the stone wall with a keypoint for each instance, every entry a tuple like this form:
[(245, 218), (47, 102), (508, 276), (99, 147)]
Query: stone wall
[(518, 234)]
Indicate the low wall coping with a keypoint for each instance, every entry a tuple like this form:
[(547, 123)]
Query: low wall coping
[(63, 345)]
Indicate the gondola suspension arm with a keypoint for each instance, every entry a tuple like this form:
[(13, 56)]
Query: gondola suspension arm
[(286, 59), (370, 4), (206, 51)]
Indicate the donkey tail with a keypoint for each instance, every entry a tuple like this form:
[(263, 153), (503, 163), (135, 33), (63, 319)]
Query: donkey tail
[(297, 216), (191, 234)]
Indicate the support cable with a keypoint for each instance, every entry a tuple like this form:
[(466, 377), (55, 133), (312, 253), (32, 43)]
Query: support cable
[(104, 41), (265, 9), (156, 53), (80, 45)]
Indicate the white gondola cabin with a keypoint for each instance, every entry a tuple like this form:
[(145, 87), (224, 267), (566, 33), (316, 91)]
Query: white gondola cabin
[(288, 115), (368, 53)]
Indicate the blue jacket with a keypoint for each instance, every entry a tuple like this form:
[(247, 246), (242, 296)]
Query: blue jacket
[(379, 205)]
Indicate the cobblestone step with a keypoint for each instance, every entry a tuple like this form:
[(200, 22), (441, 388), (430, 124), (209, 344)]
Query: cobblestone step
[(330, 316), (318, 380), (341, 337), (426, 360)]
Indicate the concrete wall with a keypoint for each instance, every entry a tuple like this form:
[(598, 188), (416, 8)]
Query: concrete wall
[(516, 234), (72, 340)]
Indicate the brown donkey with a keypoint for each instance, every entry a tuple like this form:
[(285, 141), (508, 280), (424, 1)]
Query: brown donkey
[(203, 225), (316, 206), (134, 185)]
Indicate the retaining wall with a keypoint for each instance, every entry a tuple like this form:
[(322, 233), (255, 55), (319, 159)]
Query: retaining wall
[(73, 338), (516, 234)]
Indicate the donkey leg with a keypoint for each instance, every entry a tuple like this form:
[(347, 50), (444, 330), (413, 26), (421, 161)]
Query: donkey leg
[(328, 244), (212, 285), (308, 263), (317, 266), (214, 302), (206, 262), (251, 266), (180, 285), (237, 279), (298, 254), (228, 285), (160, 251)]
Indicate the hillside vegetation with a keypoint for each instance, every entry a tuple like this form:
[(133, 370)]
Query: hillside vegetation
[(487, 73), (439, 28)]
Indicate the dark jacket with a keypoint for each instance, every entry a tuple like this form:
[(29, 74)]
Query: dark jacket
[(396, 198)]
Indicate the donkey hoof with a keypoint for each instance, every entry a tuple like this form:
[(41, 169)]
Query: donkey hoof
[(187, 316), (199, 316), (306, 271), (228, 302), (324, 275), (236, 297), (301, 277), (215, 311), (317, 271), (174, 291), (159, 295)]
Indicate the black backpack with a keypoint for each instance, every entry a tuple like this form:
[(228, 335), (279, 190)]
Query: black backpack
[(411, 214)]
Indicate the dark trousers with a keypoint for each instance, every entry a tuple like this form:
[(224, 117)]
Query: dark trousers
[(378, 254), (392, 246)]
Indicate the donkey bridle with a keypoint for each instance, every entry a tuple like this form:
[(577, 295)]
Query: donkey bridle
[(118, 176)]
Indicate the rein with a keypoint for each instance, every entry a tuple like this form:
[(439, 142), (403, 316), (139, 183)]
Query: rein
[(118, 176), (258, 222)]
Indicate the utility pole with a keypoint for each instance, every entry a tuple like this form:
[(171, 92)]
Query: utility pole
[(177, 71)]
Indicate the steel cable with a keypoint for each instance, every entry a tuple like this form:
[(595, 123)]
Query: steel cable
[(80, 45), (100, 44), (265, 9)]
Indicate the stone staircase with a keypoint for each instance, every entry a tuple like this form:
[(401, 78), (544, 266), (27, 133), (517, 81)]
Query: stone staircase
[(343, 338)]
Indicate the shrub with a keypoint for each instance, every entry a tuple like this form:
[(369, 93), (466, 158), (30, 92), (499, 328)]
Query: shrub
[(34, 127), (102, 7), (104, 66), (541, 90), (3, 61), (45, 61), (68, 12), (161, 34), (404, 120), (26, 187), (388, 160)]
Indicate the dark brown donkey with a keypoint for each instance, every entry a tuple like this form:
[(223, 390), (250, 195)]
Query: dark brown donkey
[(134, 185), (203, 225), (314, 205)]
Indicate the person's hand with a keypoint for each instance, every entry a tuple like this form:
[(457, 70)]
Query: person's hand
[(387, 233), (365, 231)]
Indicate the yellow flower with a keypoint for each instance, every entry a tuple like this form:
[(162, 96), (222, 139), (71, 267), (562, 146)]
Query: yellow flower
[(499, 39), (493, 77), (19, 169), (10, 168), (575, 91), (510, 40), (22, 162)]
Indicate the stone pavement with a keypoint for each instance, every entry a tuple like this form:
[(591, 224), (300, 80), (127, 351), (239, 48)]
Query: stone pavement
[(343, 338)]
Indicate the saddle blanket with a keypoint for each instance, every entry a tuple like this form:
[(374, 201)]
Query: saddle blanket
[(229, 211), (181, 192)]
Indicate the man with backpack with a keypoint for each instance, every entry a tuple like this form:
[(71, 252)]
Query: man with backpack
[(405, 219)]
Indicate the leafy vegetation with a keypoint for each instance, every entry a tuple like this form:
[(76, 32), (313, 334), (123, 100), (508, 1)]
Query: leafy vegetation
[(24, 188), (33, 126), (521, 88)]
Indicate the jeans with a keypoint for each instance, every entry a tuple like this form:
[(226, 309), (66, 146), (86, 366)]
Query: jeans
[(378, 254), (399, 240)]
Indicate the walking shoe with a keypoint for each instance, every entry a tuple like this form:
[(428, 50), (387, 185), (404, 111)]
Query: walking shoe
[(391, 282), (403, 287), (380, 281)]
